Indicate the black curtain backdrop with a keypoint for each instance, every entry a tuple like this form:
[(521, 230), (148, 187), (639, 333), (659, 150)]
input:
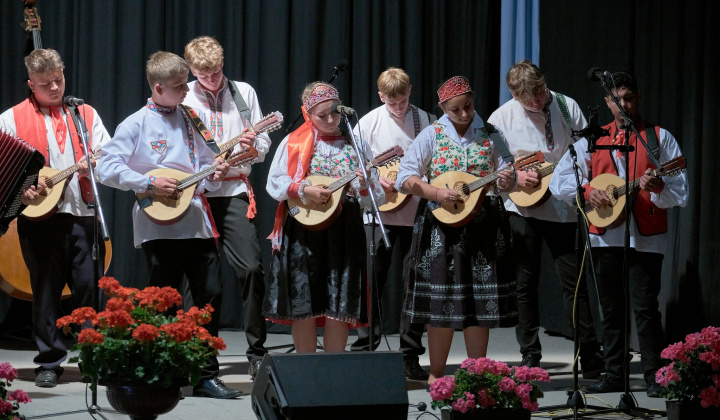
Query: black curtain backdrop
[(279, 46), (672, 49), (276, 46)]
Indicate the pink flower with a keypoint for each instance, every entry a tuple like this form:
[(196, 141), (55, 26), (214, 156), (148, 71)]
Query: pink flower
[(712, 358), (20, 396), (442, 389), (5, 407), (523, 391), (8, 372), (460, 405), (485, 400), (506, 384)]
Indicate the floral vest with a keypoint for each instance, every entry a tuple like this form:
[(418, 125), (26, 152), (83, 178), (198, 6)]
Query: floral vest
[(449, 156), (335, 166)]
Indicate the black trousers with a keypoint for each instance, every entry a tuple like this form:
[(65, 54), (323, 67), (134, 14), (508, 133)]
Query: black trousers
[(528, 236), (240, 249), (645, 276), (169, 260), (391, 269), (58, 251)]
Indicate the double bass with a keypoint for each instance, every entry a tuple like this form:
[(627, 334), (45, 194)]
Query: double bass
[(14, 275)]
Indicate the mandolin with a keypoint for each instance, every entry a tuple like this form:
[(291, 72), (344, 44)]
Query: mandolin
[(316, 216), (612, 215), (472, 191), (531, 197)]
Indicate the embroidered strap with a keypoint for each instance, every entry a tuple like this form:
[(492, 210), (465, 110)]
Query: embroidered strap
[(239, 101), (416, 119), (564, 109), (204, 132), (490, 131)]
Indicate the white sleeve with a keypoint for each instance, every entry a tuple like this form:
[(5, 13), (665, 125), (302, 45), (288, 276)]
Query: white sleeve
[(675, 192), (278, 180)]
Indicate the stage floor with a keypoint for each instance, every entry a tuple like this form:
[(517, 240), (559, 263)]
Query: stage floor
[(70, 394)]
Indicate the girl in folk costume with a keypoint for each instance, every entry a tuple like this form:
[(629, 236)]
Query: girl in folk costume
[(460, 276), (318, 277)]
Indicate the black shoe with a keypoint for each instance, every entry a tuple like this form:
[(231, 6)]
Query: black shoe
[(531, 360), (254, 368), (592, 365), (653, 390), (414, 371), (46, 379), (215, 388), (606, 383)]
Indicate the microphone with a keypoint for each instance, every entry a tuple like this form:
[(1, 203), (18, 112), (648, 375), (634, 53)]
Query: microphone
[(73, 101), (342, 109), (596, 74), (342, 65)]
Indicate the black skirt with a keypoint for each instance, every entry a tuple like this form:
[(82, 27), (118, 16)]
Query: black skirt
[(461, 277), (320, 274)]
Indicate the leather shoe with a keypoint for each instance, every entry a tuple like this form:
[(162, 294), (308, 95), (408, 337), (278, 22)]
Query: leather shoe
[(414, 371), (531, 360), (606, 383), (592, 365), (254, 368), (215, 388), (653, 390), (46, 379)]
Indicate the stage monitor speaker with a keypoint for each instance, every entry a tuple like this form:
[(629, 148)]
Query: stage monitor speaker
[(318, 386)]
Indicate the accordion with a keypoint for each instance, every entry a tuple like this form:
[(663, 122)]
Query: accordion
[(20, 164)]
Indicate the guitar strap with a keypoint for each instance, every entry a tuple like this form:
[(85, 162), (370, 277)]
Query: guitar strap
[(652, 141), (562, 104), (204, 132), (500, 145), (239, 101)]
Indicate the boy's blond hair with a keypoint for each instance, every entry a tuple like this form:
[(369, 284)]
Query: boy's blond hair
[(43, 60), (393, 82), (163, 66), (204, 53), (524, 79)]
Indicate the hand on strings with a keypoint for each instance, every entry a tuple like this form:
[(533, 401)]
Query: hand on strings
[(220, 171), (528, 178), (165, 186), (361, 177), (446, 196), (83, 166), (318, 195), (649, 182), (248, 138), (387, 184), (506, 179), (32, 194), (598, 198)]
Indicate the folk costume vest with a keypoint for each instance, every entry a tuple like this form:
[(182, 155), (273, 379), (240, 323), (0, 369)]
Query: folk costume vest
[(650, 219), (449, 156), (30, 126)]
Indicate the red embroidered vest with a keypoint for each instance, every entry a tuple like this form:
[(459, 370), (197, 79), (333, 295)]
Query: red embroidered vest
[(30, 126), (650, 219)]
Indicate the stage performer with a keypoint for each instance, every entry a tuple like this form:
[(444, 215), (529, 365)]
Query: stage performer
[(648, 233), (232, 107), (318, 277), (540, 119), (396, 123), (57, 250), (459, 277), (162, 135)]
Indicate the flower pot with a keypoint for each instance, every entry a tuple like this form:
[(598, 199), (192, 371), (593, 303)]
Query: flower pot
[(139, 400), (681, 410), (494, 414)]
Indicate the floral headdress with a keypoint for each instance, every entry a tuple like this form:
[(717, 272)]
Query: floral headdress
[(455, 86), (320, 93)]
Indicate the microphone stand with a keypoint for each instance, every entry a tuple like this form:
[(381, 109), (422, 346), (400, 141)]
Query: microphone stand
[(376, 216), (336, 72), (99, 224)]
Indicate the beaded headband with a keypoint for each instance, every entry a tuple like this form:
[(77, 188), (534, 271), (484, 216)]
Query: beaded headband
[(456, 86), (319, 94)]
